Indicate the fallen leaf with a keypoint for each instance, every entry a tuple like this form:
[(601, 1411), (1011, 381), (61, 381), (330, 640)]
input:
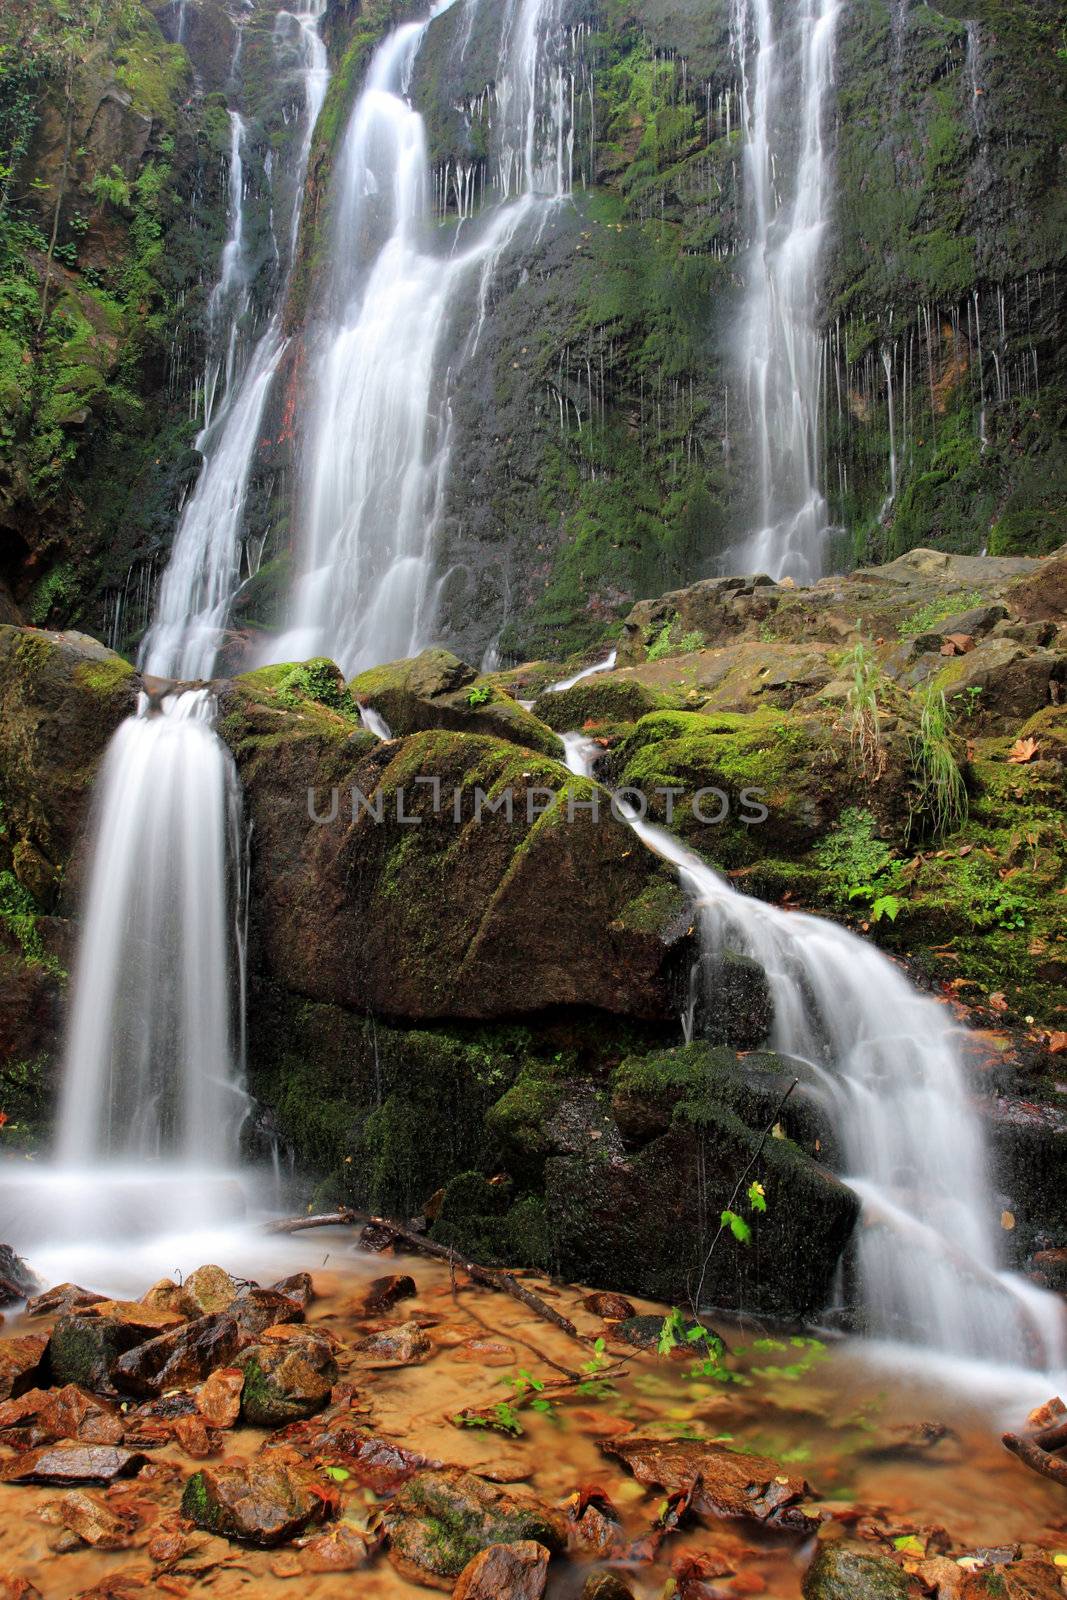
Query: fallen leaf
[(1022, 751), (998, 1002), (1057, 1043), (1007, 1220)]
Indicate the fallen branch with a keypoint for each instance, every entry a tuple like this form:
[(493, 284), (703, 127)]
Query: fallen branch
[(1038, 1460), (326, 1219), (489, 1276)]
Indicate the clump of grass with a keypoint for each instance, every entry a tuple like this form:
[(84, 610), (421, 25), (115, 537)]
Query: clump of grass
[(940, 804), (865, 731)]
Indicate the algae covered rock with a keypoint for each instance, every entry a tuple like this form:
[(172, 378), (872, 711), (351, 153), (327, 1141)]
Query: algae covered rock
[(266, 1502), (448, 875), (284, 1383), (843, 1571), (62, 695), (437, 690), (440, 1521), (605, 697)]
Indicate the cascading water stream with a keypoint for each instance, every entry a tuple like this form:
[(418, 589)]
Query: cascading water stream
[(154, 1055), (884, 1060), (779, 345), (376, 451)]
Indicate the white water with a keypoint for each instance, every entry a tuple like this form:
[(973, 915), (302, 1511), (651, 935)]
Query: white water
[(885, 1060), (779, 345), (149, 1067), (607, 665), (205, 563), (153, 1065), (376, 450)]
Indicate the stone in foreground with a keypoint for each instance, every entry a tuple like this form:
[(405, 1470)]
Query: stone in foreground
[(518, 1571), (440, 1521), (728, 1483), (265, 1502)]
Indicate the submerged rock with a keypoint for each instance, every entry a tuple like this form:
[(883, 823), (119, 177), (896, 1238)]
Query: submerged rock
[(612, 1307), (73, 1463), (439, 1521), (852, 1572), (384, 1293), (401, 1346), (728, 1483), (265, 1502), (516, 1571)]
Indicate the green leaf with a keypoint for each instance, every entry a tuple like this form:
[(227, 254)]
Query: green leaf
[(737, 1226), (887, 906), (757, 1197), (338, 1474)]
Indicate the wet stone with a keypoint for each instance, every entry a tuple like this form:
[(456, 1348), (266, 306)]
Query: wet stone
[(726, 1483), (20, 1363), (284, 1383), (403, 1345), (17, 1282), (258, 1309), (57, 1302), (611, 1307), (91, 1521), (297, 1287), (384, 1293), (74, 1413), (439, 1521), (72, 1463), (218, 1399), (178, 1359), (265, 1502), (83, 1350), (144, 1320), (606, 1586), (210, 1289), (505, 1572), (337, 1549), (850, 1572)]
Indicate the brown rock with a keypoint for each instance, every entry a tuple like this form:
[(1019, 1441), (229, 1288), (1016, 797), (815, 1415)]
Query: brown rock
[(257, 1309), (180, 1358), (17, 1588), (134, 1314), (728, 1483), (94, 1523), (384, 1293), (1032, 1579), (266, 1501), (17, 1282), (219, 1397), (20, 1363), (612, 1307), (83, 1350), (505, 1572), (375, 1238), (400, 1346), (195, 1438), (210, 1289), (606, 1586), (170, 1296), (63, 1298), (74, 1413), (284, 1383), (298, 1287), (72, 1463), (338, 1549), (477, 1515)]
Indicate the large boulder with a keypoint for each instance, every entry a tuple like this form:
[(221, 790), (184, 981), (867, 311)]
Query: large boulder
[(419, 899), (439, 1522), (62, 695), (437, 690)]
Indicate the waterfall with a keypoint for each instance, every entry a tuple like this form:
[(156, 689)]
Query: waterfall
[(375, 451), (884, 1060), (779, 343), (153, 1061), (150, 1056)]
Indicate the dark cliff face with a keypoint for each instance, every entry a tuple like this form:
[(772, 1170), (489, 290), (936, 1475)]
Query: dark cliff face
[(601, 447)]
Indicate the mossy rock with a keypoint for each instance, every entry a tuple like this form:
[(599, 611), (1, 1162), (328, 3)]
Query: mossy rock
[(605, 698), (437, 690), (439, 1521), (852, 1572)]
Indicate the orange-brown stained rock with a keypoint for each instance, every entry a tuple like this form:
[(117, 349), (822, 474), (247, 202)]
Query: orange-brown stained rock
[(1034, 1579), (94, 1523), (72, 1463), (195, 1438), (730, 1484), (20, 1361), (12, 1588), (146, 1319), (184, 1356), (74, 1413), (403, 1345), (218, 1399), (265, 1501), (384, 1293), (505, 1572), (338, 1549), (477, 1515), (612, 1307)]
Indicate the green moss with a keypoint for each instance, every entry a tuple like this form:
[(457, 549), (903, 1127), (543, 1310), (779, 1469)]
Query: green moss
[(20, 915), (103, 677)]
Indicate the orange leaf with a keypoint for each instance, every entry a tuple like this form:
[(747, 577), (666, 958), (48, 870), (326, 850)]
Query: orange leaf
[(1057, 1043), (1023, 750), (997, 1002)]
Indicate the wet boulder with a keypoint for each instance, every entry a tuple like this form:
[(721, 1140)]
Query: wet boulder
[(218, 1399), (67, 1413), (384, 1293), (400, 1346), (437, 690), (505, 1572), (843, 1571), (725, 1483), (265, 1502), (440, 1521), (143, 1320), (20, 1363), (284, 1383), (607, 697), (17, 1281), (178, 1359), (210, 1289), (255, 1310), (611, 1307), (70, 1463)]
